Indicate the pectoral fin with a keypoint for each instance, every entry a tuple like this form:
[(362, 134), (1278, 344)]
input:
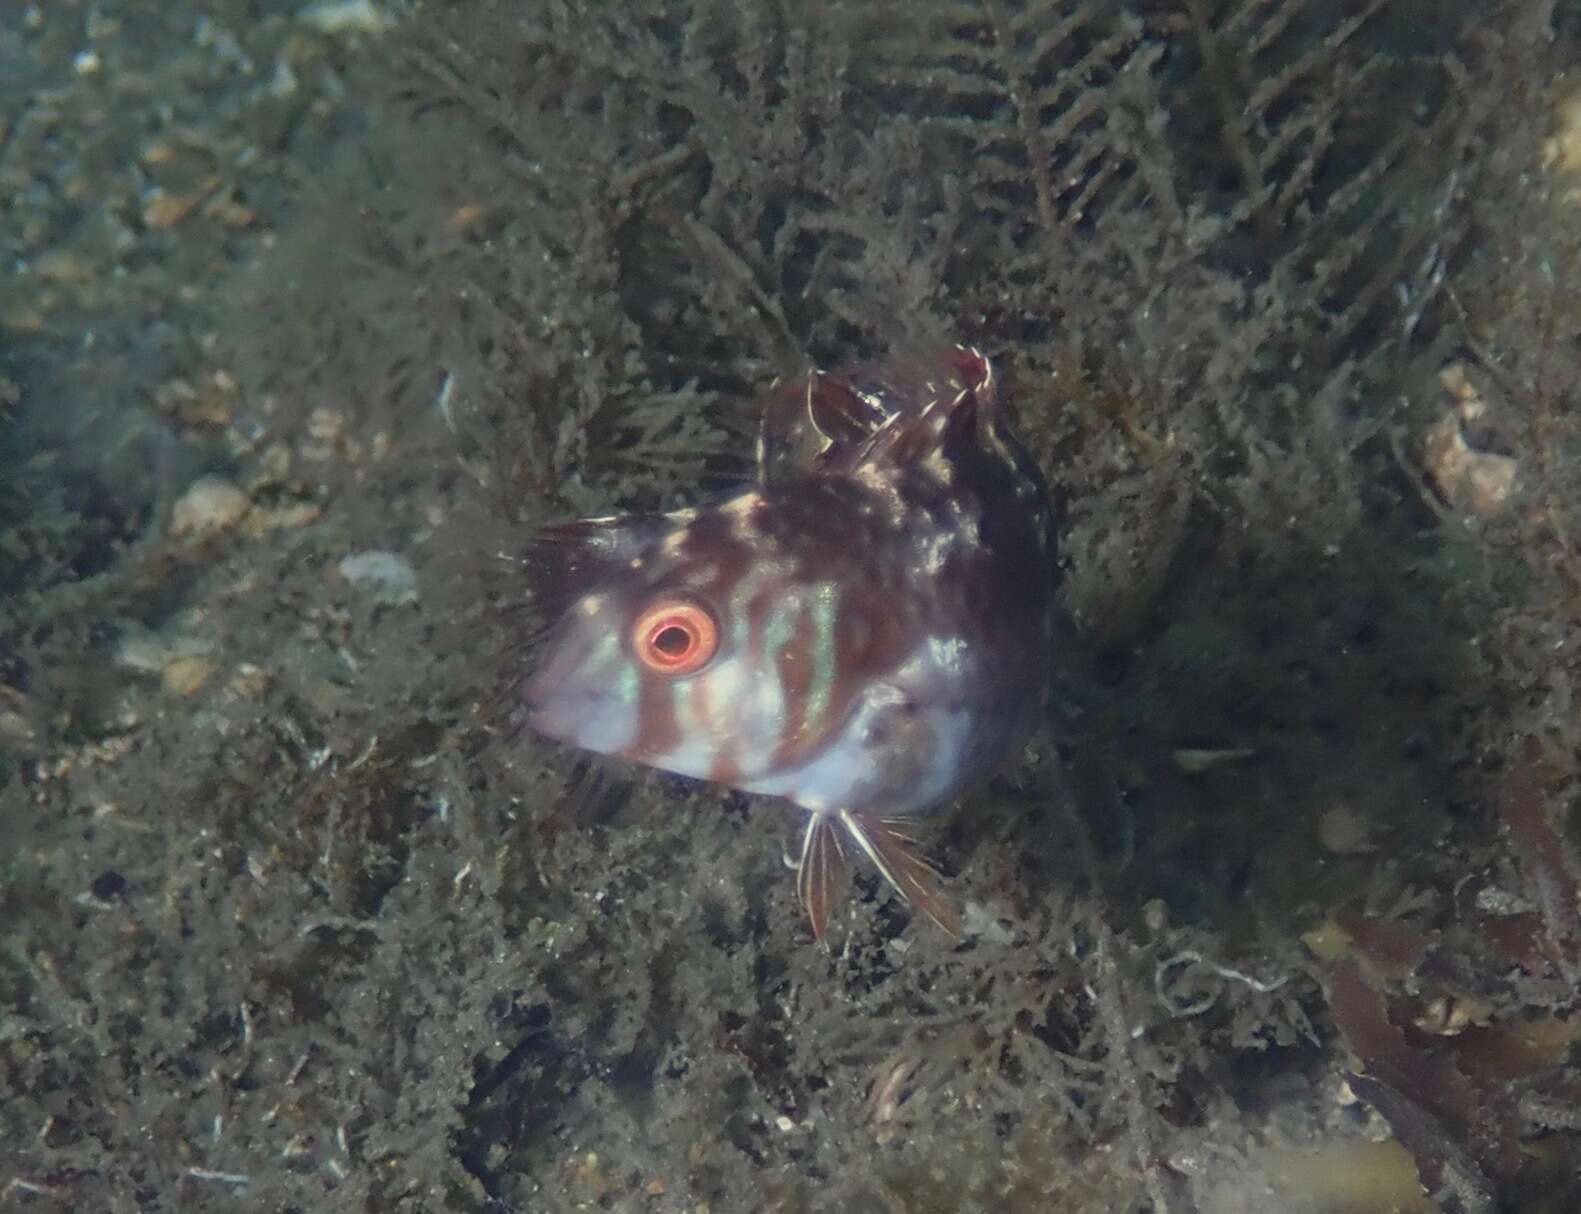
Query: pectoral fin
[(903, 866)]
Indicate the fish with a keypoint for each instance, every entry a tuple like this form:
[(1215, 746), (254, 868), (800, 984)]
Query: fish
[(865, 630)]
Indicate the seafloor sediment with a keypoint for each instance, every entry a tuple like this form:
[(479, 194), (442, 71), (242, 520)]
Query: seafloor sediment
[(311, 311)]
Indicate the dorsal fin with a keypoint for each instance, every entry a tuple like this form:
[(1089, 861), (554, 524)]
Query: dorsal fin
[(805, 418), (944, 399), (896, 409)]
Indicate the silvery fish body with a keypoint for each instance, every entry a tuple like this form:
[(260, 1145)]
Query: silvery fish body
[(865, 632)]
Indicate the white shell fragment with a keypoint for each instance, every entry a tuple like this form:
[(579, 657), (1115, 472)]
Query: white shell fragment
[(387, 577), (211, 505), (347, 16)]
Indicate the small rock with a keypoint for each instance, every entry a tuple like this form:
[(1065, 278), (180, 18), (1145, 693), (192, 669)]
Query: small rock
[(1563, 149), (1455, 454), (150, 652), (185, 675), (284, 82), (1344, 832), (342, 16), (162, 210), (210, 506), (386, 576), (978, 922), (272, 466), (283, 518), (18, 716), (58, 265), (211, 401), (249, 681)]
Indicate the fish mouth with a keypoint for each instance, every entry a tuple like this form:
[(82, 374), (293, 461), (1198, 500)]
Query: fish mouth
[(546, 710), (566, 710), (556, 680)]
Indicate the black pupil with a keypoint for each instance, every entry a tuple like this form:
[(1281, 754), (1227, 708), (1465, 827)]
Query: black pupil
[(672, 640)]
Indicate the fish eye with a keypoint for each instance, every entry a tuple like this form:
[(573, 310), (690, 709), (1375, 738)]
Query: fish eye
[(675, 637)]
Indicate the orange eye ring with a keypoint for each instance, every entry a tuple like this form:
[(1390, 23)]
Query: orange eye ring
[(675, 637)]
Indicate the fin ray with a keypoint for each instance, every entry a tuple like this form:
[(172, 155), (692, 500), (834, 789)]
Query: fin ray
[(913, 878), (822, 865)]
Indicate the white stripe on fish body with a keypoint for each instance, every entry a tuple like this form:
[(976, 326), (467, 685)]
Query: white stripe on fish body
[(857, 768)]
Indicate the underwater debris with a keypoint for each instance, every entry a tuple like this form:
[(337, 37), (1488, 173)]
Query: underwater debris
[(1463, 1038), (1551, 873)]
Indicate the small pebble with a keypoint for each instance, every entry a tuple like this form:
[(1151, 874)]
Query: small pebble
[(150, 652), (386, 576), (282, 518), (249, 681), (1344, 832), (185, 675), (210, 506), (341, 16), (978, 922)]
